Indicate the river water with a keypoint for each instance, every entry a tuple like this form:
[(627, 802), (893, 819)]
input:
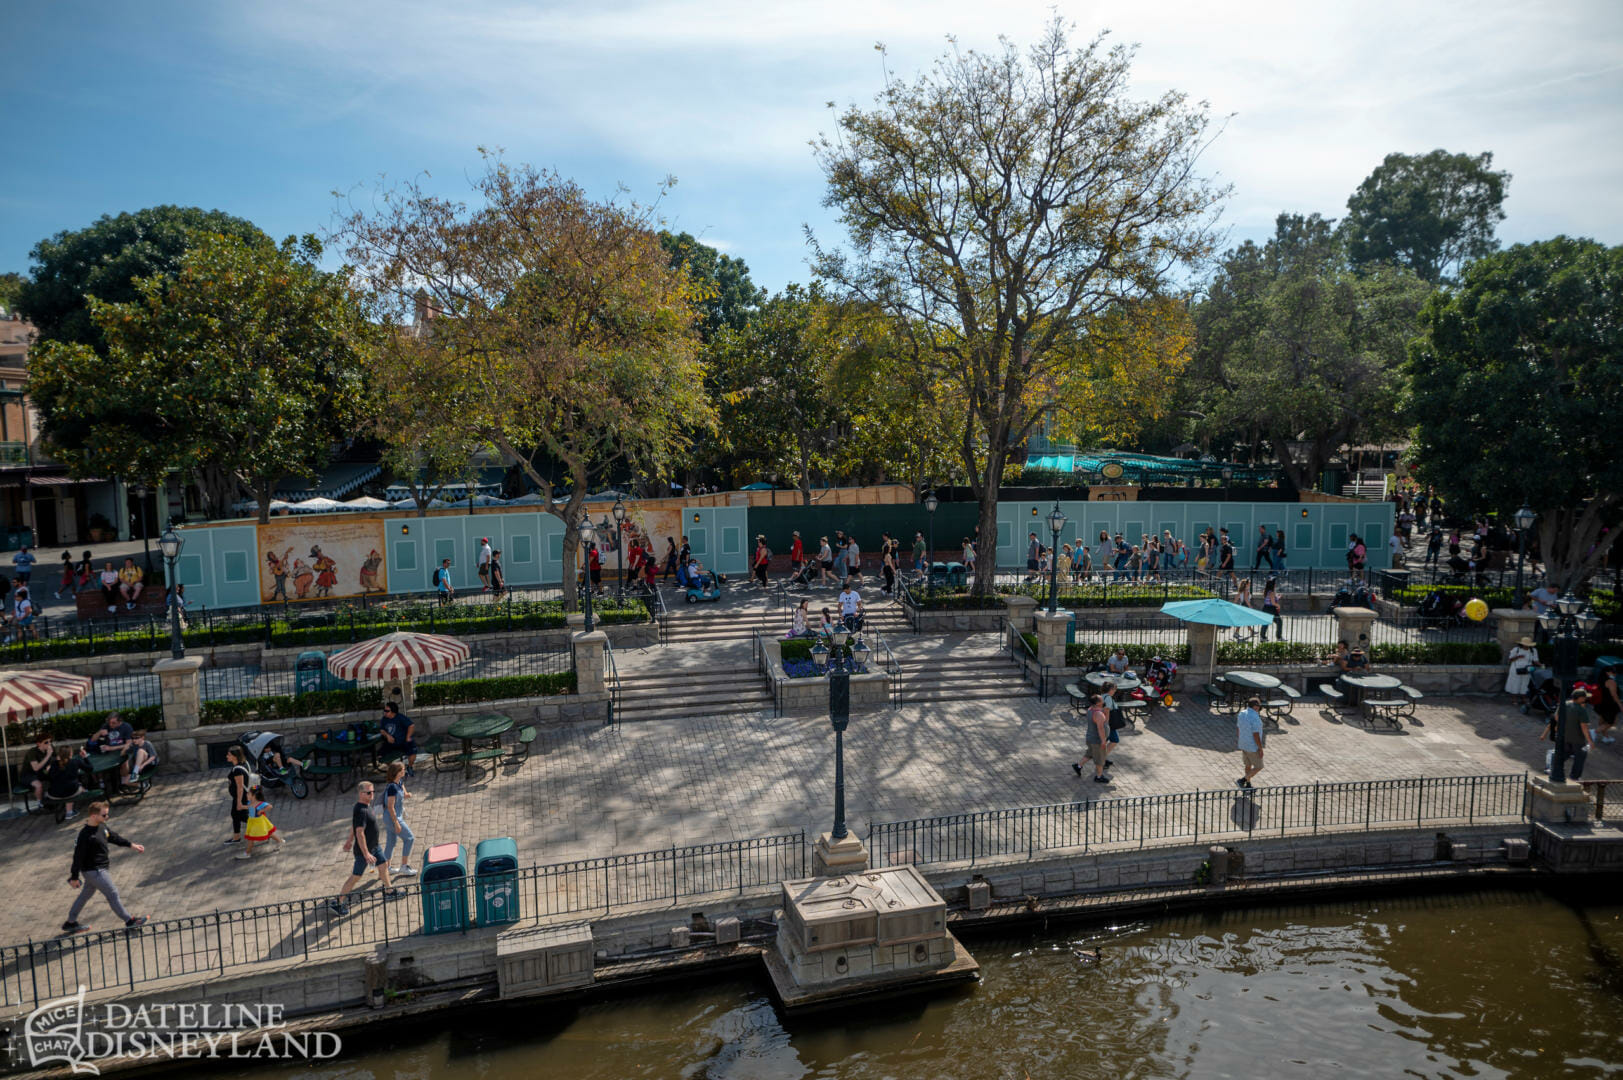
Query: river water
[(1498, 984)]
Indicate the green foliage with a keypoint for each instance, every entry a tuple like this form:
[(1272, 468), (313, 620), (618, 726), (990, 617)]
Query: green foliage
[(1436, 652), (1082, 655), (1111, 596), (1270, 652), (105, 260), (1605, 606), (954, 598), (247, 360), (1296, 348), (83, 724), (286, 706), (1512, 376), (11, 286), (724, 294), (462, 691), (1432, 213), (801, 649)]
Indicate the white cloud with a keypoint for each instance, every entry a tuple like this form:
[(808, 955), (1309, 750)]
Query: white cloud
[(727, 94)]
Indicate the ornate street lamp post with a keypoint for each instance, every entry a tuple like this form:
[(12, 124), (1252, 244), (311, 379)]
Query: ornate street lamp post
[(1566, 622), (930, 503), (1524, 521), (140, 491), (170, 544), (587, 535), (1056, 522), (620, 545), (1228, 474)]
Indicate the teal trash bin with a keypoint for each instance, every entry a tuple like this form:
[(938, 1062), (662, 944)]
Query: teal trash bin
[(955, 573), (309, 671), (495, 881), (938, 573), (444, 879), (1070, 629), (1603, 664)]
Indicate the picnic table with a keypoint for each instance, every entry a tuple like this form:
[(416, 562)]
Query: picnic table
[(108, 769), (1359, 685), (1125, 683), (485, 727), (347, 753), (1277, 699)]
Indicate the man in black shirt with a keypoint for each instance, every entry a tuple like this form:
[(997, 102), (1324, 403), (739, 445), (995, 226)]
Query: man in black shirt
[(398, 730), (90, 865), (363, 839)]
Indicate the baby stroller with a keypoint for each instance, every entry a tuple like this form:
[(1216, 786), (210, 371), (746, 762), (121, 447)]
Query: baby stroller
[(807, 572), (1439, 612), (705, 585), (276, 768), (1158, 678), (1543, 692), (1352, 594)]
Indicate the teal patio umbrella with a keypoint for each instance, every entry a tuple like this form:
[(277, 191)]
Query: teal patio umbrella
[(1215, 612)]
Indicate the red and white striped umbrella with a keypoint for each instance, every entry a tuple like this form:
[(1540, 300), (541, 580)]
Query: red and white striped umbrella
[(396, 655), (27, 694)]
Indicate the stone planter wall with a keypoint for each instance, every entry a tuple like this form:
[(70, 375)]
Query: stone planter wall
[(957, 620), (188, 751), (810, 695), (252, 654)]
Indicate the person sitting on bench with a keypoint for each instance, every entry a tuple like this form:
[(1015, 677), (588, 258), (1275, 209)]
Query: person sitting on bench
[(37, 764), (1118, 664), (398, 730), (64, 783), (141, 758)]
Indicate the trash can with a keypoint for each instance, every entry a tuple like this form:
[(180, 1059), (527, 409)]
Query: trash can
[(1070, 629), (495, 881), (308, 672), (955, 573), (445, 889), (938, 573), (1604, 664)]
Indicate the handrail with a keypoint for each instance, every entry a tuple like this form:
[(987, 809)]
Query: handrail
[(611, 678)]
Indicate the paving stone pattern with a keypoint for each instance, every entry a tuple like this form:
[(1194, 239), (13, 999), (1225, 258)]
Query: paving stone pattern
[(589, 791)]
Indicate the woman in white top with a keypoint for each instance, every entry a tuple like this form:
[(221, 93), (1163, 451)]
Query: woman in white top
[(825, 560), (1522, 658), (1104, 553), (968, 557), (802, 616)]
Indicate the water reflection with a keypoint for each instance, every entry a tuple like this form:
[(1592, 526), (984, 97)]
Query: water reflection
[(1480, 985)]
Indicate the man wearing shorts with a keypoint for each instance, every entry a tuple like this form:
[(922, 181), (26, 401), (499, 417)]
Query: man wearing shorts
[(363, 840), (1249, 724)]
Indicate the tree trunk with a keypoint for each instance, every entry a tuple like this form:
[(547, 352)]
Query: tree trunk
[(1572, 544), (986, 540), (263, 486)]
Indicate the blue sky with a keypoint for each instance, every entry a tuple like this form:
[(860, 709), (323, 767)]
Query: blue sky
[(265, 109)]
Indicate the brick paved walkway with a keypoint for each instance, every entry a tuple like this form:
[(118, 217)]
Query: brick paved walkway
[(596, 791)]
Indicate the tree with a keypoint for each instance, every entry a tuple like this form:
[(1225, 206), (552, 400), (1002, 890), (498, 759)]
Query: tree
[(11, 285), (569, 333), (246, 361), (1433, 213), (1515, 376), (724, 294), (1294, 347), (105, 259), (997, 206)]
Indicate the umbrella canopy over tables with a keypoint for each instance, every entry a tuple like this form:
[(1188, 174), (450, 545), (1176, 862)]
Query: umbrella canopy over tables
[(365, 502), (317, 506), (400, 655), (28, 694), (1214, 612)]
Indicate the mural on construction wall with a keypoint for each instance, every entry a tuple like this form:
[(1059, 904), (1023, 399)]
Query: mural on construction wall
[(654, 524), (318, 558)]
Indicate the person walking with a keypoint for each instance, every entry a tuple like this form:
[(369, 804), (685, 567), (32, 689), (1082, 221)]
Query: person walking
[(797, 556), (394, 818), (24, 562), (66, 584), (670, 557), (1608, 705), (498, 580), (825, 562), (90, 869), (762, 561), (260, 829), (968, 557), (236, 788), (1279, 552), (1249, 726), (1033, 557), (485, 555), (442, 582), (1576, 739), (918, 555), (362, 839), (1264, 543), (1270, 606), (853, 558), (1097, 739), (840, 556), (888, 564)]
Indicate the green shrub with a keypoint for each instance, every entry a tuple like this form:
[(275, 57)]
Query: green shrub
[(955, 599), (1270, 652), (1435, 652), (791, 649), (461, 691), (1107, 596), (1083, 655), (285, 706), (1411, 595), (81, 725)]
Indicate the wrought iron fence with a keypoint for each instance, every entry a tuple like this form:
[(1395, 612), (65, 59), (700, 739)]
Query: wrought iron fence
[(1191, 817), (222, 941), (1414, 630)]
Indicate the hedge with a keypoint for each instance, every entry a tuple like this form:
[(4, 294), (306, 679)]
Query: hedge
[(288, 706), (1087, 596), (83, 724), (1092, 653), (793, 649), (1606, 607), (461, 691), (1270, 652)]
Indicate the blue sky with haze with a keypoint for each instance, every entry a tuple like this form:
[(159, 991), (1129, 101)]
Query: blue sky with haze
[(264, 109)]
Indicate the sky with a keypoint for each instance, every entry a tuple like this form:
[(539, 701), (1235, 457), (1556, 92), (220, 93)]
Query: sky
[(266, 110)]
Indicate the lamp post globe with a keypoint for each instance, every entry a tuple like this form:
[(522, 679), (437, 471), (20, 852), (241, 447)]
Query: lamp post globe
[(170, 544), (1056, 522), (619, 512), (1228, 474), (930, 503)]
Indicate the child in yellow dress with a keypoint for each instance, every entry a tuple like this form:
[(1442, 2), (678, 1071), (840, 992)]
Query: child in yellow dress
[(260, 828)]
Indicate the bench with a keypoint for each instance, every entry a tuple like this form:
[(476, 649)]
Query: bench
[(1389, 710), (492, 755), (60, 806), (1333, 695), (1128, 706), (1078, 699), (319, 775), (1219, 695), (521, 742), (1411, 693)]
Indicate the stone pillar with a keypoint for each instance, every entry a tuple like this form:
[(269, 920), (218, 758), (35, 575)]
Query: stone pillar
[(1556, 802), (1051, 637), (589, 663), (1352, 625), (576, 621), (1202, 664), (402, 692), (835, 858), (1020, 609), (182, 693), (1513, 624)]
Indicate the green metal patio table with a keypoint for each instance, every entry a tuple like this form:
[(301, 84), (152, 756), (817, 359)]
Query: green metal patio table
[(485, 727)]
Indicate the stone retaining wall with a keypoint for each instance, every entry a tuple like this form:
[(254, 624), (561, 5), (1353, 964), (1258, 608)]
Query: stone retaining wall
[(188, 751), (254, 654), (810, 695)]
